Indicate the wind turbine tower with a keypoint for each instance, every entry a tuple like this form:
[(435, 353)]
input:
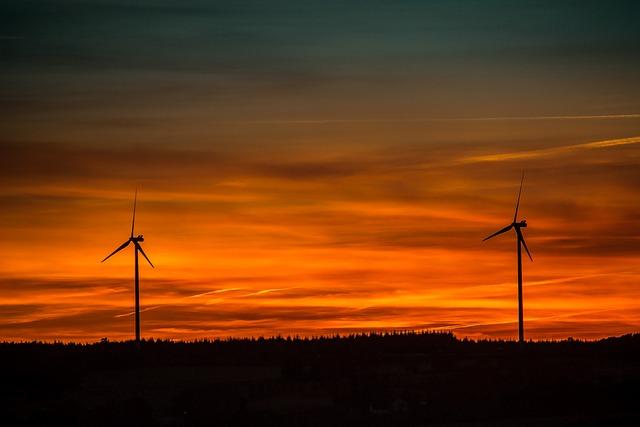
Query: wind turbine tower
[(517, 227), (136, 248)]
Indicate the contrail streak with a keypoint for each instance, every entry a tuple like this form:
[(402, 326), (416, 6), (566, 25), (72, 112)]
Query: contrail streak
[(141, 311), (546, 152), (264, 291), (530, 319), (439, 119), (534, 118), (217, 291)]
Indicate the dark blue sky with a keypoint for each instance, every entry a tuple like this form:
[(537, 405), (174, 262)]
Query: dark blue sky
[(459, 56)]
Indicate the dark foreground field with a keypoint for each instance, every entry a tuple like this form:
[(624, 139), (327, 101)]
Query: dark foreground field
[(379, 380)]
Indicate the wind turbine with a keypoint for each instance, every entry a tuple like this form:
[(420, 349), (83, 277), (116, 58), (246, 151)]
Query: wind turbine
[(137, 248), (517, 226)]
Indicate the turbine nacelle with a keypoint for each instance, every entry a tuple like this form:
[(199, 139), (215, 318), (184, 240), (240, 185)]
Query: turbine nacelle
[(520, 224), (135, 240)]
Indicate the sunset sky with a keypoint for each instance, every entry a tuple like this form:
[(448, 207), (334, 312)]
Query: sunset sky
[(318, 167)]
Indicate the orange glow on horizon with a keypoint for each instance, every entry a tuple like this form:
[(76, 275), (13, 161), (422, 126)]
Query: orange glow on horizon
[(307, 246)]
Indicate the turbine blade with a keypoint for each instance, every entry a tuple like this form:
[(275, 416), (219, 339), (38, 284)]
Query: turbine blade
[(521, 237), (515, 215), (504, 230), (133, 221), (121, 247), (144, 255)]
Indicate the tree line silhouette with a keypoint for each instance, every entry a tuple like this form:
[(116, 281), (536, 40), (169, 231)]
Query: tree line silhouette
[(403, 378)]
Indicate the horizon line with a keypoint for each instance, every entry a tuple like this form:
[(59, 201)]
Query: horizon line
[(339, 335)]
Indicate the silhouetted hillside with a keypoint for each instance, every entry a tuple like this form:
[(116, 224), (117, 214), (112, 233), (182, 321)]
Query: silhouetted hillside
[(379, 379)]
